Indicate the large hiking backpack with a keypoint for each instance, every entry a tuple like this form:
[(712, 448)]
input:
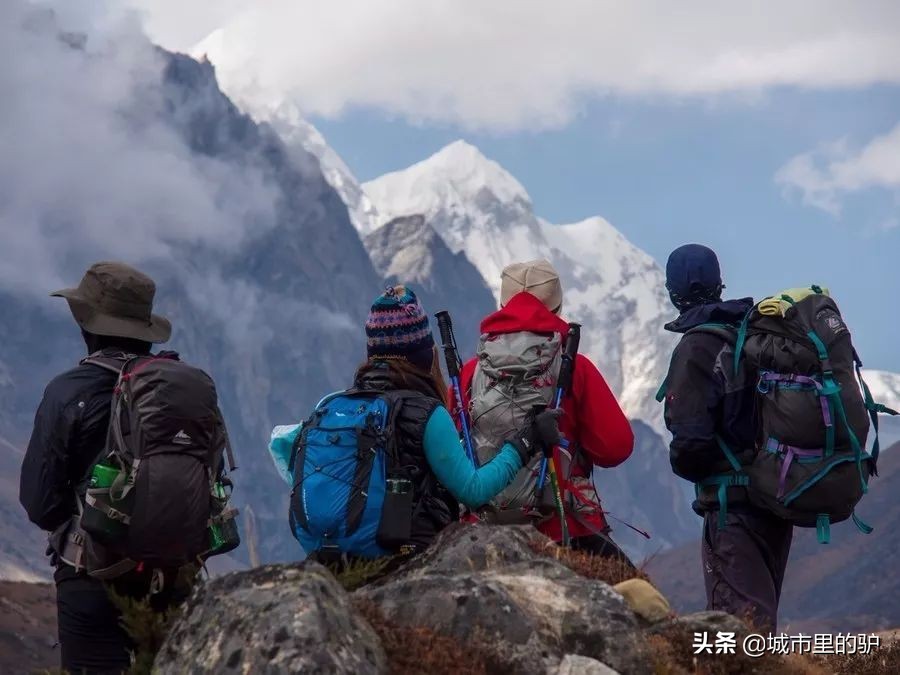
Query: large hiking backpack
[(515, 374), (350, 495), (812, 467), (158, 496)]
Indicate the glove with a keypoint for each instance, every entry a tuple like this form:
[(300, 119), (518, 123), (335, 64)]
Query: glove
[(538, 437)]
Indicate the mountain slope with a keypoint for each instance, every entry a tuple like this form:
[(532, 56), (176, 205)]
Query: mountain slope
[(408, 250), (271, 303), (613, 288)]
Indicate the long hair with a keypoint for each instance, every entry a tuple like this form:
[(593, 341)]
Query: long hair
[(405, 375)]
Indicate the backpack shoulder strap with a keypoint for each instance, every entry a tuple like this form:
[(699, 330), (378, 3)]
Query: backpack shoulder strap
[(727, 332), (113, 364)]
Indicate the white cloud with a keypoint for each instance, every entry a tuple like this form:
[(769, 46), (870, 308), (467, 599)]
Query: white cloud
[(89, 169), (509, 64), (825, 176)]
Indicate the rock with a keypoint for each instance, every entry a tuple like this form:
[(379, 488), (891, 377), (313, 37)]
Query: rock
[(645, 600), (273, 619), (702, 622), (474, 547), (573, 664), (484, 584)]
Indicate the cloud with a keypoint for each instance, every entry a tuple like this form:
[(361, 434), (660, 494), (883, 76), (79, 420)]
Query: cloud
[(824, 177), (513, 64), (89, 168)]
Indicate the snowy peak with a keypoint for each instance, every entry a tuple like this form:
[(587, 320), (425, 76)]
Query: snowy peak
[(464, 167), (885, 387), (460, 181)]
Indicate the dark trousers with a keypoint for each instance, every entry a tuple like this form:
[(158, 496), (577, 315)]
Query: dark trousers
[(90, 636), (744, 564)]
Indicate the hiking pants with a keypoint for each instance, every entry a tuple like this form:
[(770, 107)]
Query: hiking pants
[(744, 564), (91, 639)]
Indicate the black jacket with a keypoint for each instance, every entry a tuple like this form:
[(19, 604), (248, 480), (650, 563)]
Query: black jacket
[(69, 435), (705, 399)]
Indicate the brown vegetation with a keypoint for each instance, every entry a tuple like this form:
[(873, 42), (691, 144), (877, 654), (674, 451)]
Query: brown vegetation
[(416, 650), (610, 570)]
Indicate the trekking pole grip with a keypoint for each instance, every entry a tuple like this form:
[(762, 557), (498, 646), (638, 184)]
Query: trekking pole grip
[(445, 328), (567, 369)]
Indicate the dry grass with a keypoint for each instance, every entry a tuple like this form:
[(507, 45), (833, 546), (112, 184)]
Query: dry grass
[(417, 650), (882, 661), (610, 570), (673, 654)]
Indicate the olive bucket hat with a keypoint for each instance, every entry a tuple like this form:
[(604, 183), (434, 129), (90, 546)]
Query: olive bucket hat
[(117, 300)]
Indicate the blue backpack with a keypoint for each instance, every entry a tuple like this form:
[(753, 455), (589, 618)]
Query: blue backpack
[(349, 497)]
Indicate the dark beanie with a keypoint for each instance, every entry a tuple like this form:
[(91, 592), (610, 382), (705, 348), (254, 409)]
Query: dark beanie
[(693, 276), (397, 328)]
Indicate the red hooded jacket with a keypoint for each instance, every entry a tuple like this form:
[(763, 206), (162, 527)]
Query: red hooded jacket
[(592, 416)]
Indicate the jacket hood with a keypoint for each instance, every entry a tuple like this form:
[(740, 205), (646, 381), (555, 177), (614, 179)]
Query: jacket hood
[(726, 311), (523, 312)]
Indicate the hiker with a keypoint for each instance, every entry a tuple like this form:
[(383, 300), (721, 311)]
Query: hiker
[(107, 537), (378, 470), (710, 411), (527, 336)]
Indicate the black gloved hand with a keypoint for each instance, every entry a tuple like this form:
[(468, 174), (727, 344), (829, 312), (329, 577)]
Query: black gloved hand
[(538, 437)]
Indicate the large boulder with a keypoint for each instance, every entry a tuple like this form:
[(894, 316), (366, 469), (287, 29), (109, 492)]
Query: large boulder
[(274, 619), (484, 585)]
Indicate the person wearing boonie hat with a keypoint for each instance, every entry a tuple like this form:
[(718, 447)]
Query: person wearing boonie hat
[(113, 306), (401, 357), (531, 301)]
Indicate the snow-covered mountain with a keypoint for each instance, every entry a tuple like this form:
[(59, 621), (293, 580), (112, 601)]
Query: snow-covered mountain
[(408, 250), (299, 134), (885, 388), (613, 288)]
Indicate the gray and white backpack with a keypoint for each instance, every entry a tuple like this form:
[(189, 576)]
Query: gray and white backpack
[(515, 373)]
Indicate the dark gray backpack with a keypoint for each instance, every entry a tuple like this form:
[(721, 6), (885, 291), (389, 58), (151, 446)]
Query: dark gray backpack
[(156, 495), (812, 467)]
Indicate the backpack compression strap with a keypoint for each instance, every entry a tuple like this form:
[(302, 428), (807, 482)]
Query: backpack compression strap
[(873, 408)]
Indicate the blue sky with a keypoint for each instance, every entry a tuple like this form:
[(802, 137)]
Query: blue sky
[(667, 173)]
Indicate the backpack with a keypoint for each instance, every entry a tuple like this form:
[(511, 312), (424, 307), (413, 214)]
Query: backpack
[(812, 467), (515, 373), (350, 495), (157, 496)]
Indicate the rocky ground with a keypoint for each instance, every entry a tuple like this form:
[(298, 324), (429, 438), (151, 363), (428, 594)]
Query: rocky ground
[(480, 600), (27, 627)]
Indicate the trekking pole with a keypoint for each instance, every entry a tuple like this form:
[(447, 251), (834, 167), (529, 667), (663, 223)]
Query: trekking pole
[(454, 363), (563, 386)]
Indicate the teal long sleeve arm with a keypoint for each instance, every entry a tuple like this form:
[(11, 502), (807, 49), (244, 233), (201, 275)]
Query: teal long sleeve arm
[(447, 458)]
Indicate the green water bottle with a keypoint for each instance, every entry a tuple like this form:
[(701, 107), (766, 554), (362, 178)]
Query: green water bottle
[(223, 531), (104, 518), (103, 475)]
